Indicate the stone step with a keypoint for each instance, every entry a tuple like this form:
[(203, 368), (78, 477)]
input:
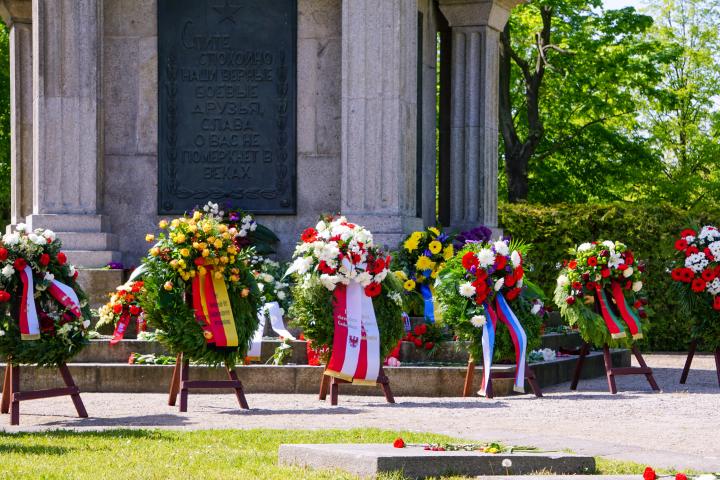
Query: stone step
[(79, 241), (98, 282), (92, 259), (406, 381), (68, 222)]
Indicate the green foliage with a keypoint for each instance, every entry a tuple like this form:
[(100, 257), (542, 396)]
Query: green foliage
[(651, 229), (312, 311), (178, 329), (4, 125)]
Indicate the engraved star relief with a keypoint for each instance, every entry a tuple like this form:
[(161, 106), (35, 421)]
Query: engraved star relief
[(227, 12)]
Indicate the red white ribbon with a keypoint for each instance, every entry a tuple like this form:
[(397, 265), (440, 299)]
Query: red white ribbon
[(272, 310), (29, 323), (120, 328), (66, 296)]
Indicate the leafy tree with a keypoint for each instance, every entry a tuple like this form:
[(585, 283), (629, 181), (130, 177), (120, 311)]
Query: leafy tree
[(4, 125), (572, 79)]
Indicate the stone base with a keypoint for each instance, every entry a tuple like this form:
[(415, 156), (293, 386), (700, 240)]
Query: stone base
[(98, 282), (371, 460)]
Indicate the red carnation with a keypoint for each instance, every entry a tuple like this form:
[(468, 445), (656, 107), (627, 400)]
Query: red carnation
[(570, 300), (480, 276), (399, 443), (649, 474), (708, 274), (500, 262), (680, 476), (429, 345), (698, 285), (572, 265), (309, 235), (510, 280), (137, 286), (44, 259), (605, 272), (681, 244), (592, 261), (4, 296), (591, 286), (373, 290), (61, 258), (418, 342), (134, 310), (688, 232), (577, 286), (513, 294), (629, 258), (325, 268), (20, 264), (3, 254), (117, 308), (469, 260), (519, 272)]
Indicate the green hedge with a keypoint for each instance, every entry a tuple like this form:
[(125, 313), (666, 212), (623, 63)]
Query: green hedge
[(650, 230)]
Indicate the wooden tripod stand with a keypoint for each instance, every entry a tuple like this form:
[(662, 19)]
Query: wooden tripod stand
[(12, 395), (470, 376), (333, 384), (181, 383), (688, 362), (610, 371)]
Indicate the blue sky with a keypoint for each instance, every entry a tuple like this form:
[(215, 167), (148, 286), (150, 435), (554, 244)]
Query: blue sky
[(622, 3)]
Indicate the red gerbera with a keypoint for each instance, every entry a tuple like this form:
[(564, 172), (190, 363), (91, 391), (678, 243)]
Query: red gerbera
[(469, 260), (680, 476), (378, 266), (698, 285), (687, 275), (677, 274), (592, 261), (373, 290), (708, 274), (691, 250), (309, 235), (688, 232), (572, 265), (716, 303), (681, 244)]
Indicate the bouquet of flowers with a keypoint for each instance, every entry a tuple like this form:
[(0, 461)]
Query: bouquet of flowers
[(250, 233), (199, 291), (475, 290), (420, 258), (600, 286), (697, 278), (344, 297), (44, 315), (123, 308), (273, 286)]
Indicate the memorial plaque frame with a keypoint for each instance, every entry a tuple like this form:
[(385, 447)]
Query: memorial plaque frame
[(227, 105)]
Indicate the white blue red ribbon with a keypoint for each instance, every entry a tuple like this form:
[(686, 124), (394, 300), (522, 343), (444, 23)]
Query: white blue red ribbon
[(427, 296), (519, 339), (29, 322), (488, 344)]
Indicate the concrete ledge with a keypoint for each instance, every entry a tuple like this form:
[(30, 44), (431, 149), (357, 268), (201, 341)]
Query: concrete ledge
[(407, 381), (370, 460)]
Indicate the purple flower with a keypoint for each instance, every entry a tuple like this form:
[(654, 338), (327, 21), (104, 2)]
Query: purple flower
[(473, 269), (115, 266), (475, 235), (428, 253), (234, 216)]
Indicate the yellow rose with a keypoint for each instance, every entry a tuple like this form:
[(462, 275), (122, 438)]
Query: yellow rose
[(449, 252), (149, 237), (222, 228), (210, 240), (197, 216), (227, 236), (224, 259), (245, 292), (202, 270), (175, 223), (207, 227), (232, 250), (185, 252), (232, 259), (435, 247), (206, 253), (182, 263), (192, 228), (168, 286), (155, 251), (174, 263), (409, 285), (196, 246), (218, 275), (235, 278), (192, 273), (203, 245), (180, 238), (218, 244), (163, 224)]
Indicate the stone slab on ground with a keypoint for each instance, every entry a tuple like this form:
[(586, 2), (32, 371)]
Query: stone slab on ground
[(559, 477), (405, 381), (370, 460)]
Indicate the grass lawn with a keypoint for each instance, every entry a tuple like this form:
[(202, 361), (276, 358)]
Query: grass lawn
[(163, 454)]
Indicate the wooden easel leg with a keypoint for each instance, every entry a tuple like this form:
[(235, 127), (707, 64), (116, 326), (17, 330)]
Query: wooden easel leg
[(532, 380), (69, 382), (14, 402), (608, 369), (385, 384), (334, 392), (239, 393), (717, 364), (7, 386), (688, 362), (469, 377), (324, 386), (489, 388), (184, 371), (584, 350), (175, 381), (649, 376)]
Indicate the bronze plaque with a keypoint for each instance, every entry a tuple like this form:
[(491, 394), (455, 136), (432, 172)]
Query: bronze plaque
[(227, 104)]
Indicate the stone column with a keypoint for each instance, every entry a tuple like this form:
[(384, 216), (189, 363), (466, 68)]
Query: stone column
[(476, 27), (379, 116), (67, 128), (17, 15)]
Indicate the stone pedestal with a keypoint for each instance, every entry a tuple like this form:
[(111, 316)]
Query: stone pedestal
[(379, 116), (476, 27)]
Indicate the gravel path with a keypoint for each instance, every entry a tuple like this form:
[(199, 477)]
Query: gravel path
[(679, 427)]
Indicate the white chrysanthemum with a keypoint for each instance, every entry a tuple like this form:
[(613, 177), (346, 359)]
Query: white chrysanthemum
[(563, 280), (478, 321), (21, 227), (486, 257), (302, 265), (281, 295), (8, 271), (713, 287), (499, 284), (584, 247), (627, 273), (364, 279), (321, 226), (697, 262), (515, 259), (501, 248), (11, 239), (37, 239), (49, 235), (609, 244), (467, 290), (637, 286), (381, 276), (328, 281)]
